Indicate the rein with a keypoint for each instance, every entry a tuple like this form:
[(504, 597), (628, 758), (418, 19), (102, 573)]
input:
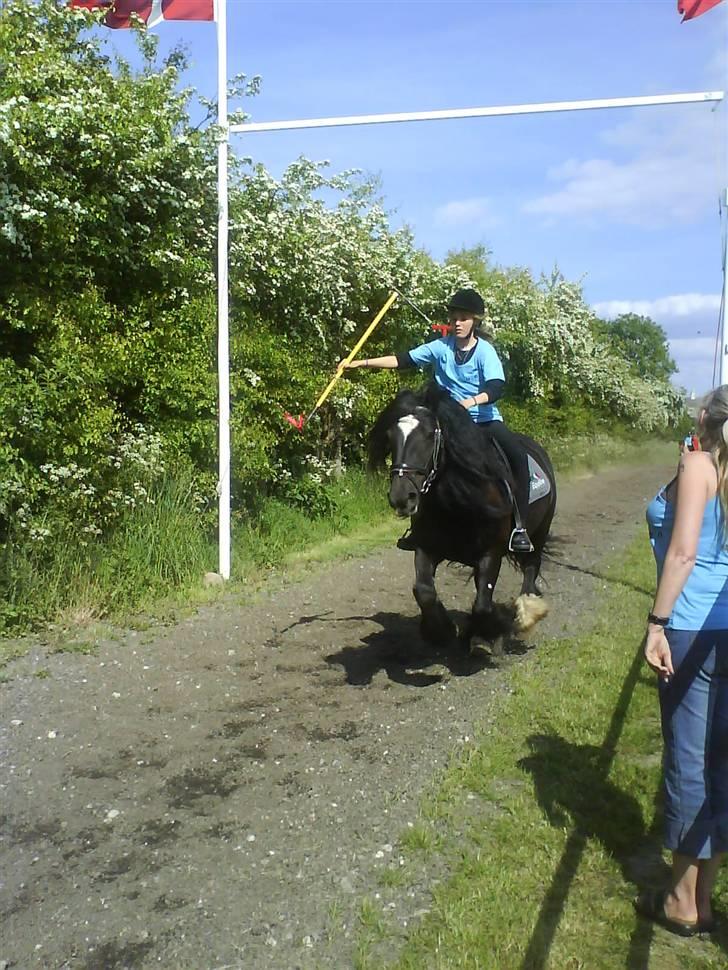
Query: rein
[(404, 470)]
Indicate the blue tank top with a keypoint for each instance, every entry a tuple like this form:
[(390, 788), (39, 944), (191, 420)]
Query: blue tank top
[(703, 602)]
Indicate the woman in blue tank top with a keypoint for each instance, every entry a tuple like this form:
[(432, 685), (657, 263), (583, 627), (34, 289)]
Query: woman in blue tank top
[(687, 647)]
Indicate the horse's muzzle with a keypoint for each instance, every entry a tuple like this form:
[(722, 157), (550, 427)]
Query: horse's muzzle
[(403, 496)]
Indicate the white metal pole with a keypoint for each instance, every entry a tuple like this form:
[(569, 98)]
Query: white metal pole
[(488, 112), (223, 340), (723, 369)]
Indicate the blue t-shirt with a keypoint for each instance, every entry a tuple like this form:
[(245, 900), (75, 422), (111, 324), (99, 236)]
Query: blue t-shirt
[(463, 380), (703, 602)]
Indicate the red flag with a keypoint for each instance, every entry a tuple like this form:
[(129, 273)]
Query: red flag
[(693, 8), (297, 422), (151, 12)]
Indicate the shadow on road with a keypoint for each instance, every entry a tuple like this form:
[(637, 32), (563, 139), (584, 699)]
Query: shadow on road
[(399, 650)]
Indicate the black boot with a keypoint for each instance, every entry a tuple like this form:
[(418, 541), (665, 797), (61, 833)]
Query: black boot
[(407, 542)]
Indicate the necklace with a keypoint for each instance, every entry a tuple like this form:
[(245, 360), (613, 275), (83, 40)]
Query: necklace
[(461, 356)]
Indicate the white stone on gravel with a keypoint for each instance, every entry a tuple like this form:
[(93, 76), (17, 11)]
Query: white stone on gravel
[(212, 579)]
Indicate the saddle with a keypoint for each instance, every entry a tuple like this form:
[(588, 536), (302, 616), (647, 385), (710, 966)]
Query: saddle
[(539, 485)]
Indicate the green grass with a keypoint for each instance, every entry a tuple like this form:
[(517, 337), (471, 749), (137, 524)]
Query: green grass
[(284, 535), (85, 647), (72, 581), (572, 456), (420, 837), (547, 823), (392, 877)]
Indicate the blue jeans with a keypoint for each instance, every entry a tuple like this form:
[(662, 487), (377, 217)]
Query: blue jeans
[(694, 709)]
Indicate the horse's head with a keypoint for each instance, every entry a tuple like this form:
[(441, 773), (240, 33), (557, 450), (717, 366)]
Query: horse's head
[(417, 429), (415, 443)]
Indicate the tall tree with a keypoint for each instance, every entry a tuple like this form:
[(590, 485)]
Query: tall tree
[(475, 261), (640, 341)]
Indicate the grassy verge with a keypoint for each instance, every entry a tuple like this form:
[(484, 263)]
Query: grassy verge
[(546, 822), (71, 579), (154, 560), (283, 536)]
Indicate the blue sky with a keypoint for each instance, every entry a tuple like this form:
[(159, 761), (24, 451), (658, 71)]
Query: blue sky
[(624, 200)]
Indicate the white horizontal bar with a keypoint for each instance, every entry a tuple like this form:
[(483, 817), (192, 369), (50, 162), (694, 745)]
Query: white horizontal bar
[(508, 109)]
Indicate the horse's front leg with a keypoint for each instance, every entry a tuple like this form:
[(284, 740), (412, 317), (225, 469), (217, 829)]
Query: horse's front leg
[(530, 607), (488, 621), (435, 624)]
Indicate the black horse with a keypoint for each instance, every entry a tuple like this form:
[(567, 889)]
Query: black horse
[(447, 474)]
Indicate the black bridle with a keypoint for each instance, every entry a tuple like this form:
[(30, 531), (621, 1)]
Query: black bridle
[(403, 470)]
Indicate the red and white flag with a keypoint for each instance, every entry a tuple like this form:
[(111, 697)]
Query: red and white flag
[(693, 8), (151, 12)]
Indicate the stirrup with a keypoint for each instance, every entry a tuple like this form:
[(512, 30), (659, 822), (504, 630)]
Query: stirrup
[(520, 541)]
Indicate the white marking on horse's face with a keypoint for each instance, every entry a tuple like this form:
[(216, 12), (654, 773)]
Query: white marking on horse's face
[(407, 425)]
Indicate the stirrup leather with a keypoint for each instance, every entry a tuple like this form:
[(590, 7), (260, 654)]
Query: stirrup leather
[(517, 520)]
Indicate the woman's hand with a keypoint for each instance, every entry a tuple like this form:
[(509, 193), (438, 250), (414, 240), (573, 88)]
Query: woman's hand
[(657, 652), (467, 403), (345, 364)]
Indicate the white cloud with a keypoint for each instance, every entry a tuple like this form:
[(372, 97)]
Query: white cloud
[(694, 357), (467, 212), (693, 348), (663, 166), (679, 305)]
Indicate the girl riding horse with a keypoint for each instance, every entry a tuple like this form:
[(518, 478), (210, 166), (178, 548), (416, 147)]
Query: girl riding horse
[(469, 369)]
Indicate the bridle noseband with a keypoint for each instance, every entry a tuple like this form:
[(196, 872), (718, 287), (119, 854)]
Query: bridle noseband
[(403, 470)]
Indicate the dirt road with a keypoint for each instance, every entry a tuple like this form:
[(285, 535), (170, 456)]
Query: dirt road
[(224, 792)]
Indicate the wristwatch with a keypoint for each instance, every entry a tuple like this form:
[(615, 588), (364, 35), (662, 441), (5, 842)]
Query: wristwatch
[(658, 620)]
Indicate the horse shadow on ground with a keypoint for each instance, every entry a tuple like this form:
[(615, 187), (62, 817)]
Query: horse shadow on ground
[(399, 650)]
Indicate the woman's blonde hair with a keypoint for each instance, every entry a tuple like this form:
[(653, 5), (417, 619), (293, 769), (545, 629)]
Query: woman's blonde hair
[(714, 438)]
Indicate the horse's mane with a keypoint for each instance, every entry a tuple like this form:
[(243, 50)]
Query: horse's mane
[(472, 467)]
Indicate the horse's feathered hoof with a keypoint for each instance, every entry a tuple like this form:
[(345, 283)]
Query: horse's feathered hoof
[(529, 610), (438, 629), (496, 622)]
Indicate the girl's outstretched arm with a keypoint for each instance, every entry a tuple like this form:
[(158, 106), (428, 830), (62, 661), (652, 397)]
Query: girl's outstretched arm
[(389, 362)]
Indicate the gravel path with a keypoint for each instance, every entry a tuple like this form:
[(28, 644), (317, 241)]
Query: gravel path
[(224, 792)]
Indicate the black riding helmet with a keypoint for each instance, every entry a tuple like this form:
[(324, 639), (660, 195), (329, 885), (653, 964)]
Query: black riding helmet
[(469, 300)]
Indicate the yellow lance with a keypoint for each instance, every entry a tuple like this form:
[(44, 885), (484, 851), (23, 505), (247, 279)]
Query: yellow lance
[(300, 420)]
